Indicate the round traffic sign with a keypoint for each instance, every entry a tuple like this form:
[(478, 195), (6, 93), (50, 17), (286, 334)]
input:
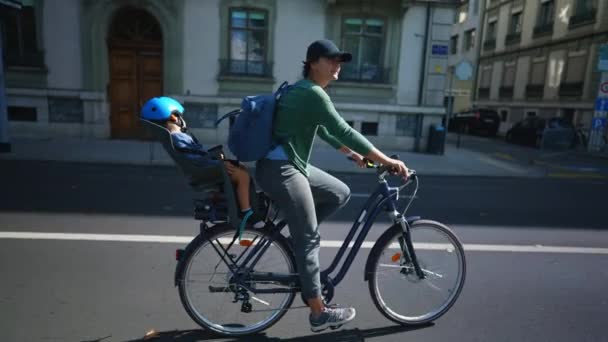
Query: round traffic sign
[(464, 71), (604, 87)]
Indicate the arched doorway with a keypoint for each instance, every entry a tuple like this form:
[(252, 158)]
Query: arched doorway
[(135, 43)]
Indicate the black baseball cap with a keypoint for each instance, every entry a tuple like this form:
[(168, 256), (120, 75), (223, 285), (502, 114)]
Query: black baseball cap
[(326, 48)]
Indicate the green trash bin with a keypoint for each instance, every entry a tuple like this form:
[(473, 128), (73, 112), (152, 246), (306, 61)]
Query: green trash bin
[(436, 143)]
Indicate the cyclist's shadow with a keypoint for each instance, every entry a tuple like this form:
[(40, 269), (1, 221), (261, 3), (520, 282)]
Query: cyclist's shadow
[(343, 335)]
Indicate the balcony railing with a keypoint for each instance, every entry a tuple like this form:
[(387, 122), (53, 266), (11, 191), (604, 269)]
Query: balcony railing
[(535, 91), (513, 38), (366, 73), (27, 59), (505, 92), (233, 67), (582, 18), (489, 44), (543, 29), (571, 89), (484, 93)]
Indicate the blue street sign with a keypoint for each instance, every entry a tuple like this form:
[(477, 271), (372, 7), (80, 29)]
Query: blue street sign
[(602, 63), (439, 50), (601, 104), (598, 123)]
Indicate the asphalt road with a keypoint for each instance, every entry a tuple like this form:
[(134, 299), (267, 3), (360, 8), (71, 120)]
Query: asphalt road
[(84, 290)]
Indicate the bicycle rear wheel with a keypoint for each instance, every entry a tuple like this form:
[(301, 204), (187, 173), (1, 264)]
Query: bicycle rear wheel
[(398, 293), (213, 298)]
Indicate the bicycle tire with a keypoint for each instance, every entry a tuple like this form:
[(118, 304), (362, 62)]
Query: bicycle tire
[(411, 301), (195, 309)]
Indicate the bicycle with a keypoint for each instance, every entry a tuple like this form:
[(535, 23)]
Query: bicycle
[(236, 287)]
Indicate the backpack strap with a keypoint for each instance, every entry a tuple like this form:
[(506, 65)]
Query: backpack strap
[(229, 115), (283, 88)]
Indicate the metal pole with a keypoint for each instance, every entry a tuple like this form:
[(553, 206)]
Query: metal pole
[(5, 146), (450, 105), (421, 89)]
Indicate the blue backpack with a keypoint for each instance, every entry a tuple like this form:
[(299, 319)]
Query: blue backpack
[(250, 136)]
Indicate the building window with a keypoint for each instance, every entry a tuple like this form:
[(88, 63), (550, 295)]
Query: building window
[(65, 110), (248, 45), (462, 13), (199, 115), (514, 34), (469, 40), (491, 31), (584, 6), (584, 13), (490, 42), (536, 84), (538, 73), (19, 37), (351, 123), (454, 45), (572, 84), (484, 84), (515, 26), (508, 80), (369, 128), (364, 38), (546, 12), (16, 113)]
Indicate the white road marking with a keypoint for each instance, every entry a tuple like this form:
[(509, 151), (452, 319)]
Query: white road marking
[(326, 244)]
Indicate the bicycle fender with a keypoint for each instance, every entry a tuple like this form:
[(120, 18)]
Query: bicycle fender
[(385, 236)]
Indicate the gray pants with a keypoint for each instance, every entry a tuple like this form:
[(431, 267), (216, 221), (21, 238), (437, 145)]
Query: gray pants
[(305, 202)]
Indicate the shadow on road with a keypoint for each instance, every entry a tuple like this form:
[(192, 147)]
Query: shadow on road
[(346, 335)]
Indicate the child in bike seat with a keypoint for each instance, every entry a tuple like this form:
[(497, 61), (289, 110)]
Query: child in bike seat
[(168, 113)]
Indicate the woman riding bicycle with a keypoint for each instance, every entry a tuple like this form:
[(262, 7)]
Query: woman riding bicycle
[(306, 194)]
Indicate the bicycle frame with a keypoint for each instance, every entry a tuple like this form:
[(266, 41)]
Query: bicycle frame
[(383, 198)]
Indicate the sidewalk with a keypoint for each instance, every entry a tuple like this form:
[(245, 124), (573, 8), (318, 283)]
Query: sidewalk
[(455, 162), (563, 164)]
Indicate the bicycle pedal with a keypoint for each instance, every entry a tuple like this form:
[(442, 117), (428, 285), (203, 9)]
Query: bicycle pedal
[(334, 327)]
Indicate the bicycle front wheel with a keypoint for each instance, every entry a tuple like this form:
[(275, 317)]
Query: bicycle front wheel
[(398, 292), (216, 300)]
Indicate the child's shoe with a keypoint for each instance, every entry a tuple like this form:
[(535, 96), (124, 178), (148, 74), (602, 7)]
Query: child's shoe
[(253, 218)]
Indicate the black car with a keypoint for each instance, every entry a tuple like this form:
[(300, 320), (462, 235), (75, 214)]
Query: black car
[(540, 132), (476, 121)]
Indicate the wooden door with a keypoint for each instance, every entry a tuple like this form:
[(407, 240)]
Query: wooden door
[(149, 75), (136, 76), (135, 55), (123, 93)]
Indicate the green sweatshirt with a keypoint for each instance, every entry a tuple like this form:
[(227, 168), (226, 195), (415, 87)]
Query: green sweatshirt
[(305, 111)]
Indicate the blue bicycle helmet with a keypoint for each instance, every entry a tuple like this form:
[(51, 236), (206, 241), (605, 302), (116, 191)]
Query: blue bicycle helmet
[(160, 108)]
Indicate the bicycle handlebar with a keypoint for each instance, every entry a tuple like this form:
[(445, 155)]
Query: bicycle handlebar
[(369, 164)]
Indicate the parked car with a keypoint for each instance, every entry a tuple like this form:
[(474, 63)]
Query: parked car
[(475, 121), (540, 132)]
